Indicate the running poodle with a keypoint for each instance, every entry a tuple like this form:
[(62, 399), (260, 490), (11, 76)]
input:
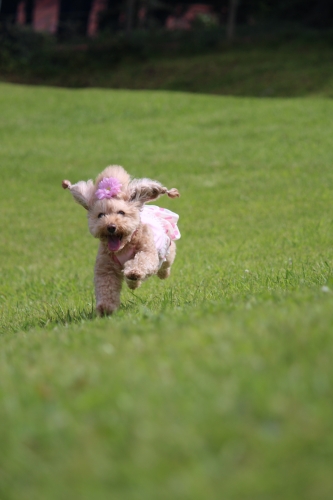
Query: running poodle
[(136, 241)]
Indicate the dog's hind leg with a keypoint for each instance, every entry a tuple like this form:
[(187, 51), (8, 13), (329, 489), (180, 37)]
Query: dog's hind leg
[(164, 271)]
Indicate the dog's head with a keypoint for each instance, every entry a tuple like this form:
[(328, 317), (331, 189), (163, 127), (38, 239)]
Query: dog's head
[(114, 202)]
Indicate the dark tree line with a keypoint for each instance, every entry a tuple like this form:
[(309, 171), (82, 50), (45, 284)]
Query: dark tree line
[(125, 14), (73, 14)]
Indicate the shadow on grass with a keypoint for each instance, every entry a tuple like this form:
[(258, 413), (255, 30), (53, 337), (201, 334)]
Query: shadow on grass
[(295, 67), (49, 315), (44, 315)]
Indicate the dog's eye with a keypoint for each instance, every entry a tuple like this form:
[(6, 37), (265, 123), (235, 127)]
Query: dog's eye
[(121, 212), (101, 215)]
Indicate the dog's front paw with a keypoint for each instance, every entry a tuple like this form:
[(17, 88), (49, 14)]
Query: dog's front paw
[(104, 309), (133, 275), (132, 284), (133, 281), (133, 278)]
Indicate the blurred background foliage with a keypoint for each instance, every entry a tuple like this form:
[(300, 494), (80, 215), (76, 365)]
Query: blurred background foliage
[(80, 43), (118, 15)]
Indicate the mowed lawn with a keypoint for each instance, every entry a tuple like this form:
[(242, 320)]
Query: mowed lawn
[(214, 384)]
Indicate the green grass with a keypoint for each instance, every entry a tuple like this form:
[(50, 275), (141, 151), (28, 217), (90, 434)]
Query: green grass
[(216, 383)]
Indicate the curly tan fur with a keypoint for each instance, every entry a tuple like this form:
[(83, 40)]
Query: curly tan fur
[(123, 237)]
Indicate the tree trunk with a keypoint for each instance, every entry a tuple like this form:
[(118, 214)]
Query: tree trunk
[(29, 11), (129, 16), (233, 4)]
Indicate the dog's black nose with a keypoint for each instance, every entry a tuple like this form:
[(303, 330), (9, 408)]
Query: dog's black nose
[(112, 228)]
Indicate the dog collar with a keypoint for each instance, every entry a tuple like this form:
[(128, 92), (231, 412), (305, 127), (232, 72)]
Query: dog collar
[(123, 258)]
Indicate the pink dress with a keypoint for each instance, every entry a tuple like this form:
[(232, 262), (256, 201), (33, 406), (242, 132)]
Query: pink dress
[(163, 222)]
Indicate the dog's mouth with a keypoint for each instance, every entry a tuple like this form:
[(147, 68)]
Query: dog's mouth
[(114, 242)]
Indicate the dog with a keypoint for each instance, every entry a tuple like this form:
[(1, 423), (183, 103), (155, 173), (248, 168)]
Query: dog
[(136, 240)]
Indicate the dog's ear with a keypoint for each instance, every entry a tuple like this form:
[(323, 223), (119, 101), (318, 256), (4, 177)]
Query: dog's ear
[(82, 191), (144, 190)]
